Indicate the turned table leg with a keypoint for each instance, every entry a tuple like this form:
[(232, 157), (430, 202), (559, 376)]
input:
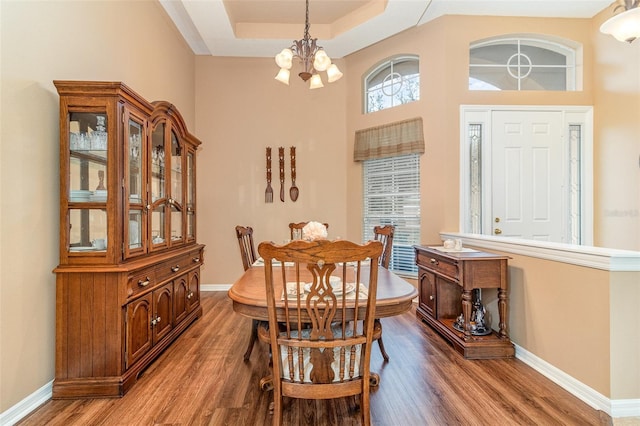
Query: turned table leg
[(466, 311), (502, 312)]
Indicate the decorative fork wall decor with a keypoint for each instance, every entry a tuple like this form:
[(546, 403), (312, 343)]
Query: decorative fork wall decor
[(268, 193)]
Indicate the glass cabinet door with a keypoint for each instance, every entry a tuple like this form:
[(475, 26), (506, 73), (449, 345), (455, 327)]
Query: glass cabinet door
[(87, 181), (191, 231), (134, 235), (176, 200), (158, 190), (170, 189)]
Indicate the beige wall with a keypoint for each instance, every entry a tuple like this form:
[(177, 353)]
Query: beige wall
[(625, 335), (236, 108), (561, 313), (617, 140), (240, 110), (132, 42)]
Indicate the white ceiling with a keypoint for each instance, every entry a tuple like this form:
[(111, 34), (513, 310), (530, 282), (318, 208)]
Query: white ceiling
[(261, 28)]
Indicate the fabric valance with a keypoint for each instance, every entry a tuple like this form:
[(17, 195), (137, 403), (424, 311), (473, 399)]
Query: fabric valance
[(389, 140)]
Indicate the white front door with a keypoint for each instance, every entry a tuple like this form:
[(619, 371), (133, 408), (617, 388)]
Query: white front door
[(527, 174)]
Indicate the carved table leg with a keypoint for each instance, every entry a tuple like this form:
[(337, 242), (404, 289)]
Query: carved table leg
[(466, 311), (502, 312)]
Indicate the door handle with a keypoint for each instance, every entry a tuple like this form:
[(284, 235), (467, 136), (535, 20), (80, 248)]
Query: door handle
[(497, 231)]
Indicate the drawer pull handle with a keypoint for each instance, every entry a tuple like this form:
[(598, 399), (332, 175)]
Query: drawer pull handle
[(175, 268), (431, 297), (145, 282), (433, 261), (196, 259)]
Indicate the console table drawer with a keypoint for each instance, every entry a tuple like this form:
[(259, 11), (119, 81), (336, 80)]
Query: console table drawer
[(438, 264)]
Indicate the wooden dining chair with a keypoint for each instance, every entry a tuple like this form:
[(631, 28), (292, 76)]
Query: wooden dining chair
[(330, 356), (248, 255), (297, 227), (247, 248), (384, 234)]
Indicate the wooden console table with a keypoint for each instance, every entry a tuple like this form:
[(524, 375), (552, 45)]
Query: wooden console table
[(446, 280)]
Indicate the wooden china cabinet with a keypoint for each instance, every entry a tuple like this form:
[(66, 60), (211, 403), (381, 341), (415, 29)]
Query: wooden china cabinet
[(128, 282)]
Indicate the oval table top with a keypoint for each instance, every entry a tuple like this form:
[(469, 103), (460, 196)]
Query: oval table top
[(394, 295)]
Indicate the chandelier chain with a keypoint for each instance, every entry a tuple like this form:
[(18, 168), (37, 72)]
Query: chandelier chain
[(306, 23)]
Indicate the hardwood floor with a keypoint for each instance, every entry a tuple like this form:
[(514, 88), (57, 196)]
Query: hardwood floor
[(202, 380)]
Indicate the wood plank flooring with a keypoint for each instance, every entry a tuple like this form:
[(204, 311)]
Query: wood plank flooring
[(202, 380)]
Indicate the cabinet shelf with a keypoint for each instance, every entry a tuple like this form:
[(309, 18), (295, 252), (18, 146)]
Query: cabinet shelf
[(100, 205)]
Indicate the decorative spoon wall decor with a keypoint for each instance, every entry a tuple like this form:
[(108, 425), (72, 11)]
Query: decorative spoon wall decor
[(293, 192)]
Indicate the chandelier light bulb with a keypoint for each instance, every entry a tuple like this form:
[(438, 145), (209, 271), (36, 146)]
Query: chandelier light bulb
[(316, 82), (333, 73), (283, 76), (321, 61), (284, 59)]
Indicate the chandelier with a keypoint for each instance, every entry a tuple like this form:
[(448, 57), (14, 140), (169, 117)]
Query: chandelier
[(312, 57), (624, 26)]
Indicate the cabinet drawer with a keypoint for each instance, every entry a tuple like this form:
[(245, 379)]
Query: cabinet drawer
[(195, 258), (438, 264), (141, 281), (173, 267)]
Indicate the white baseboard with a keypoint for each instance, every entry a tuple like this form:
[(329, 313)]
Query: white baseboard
[(625, 408), (614, 408), (215, 287), (23, 408), (622, 408)]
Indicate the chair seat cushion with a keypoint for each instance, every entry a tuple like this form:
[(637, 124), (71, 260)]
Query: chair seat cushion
[(321, 365)]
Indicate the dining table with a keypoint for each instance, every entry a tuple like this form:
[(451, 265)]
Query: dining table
[(394, 295)]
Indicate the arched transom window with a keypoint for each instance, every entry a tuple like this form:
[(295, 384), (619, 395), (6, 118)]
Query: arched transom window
[(391, 83), (522, 64)]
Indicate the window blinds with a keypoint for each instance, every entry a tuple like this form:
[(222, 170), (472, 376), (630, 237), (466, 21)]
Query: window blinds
[(392, 197)]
